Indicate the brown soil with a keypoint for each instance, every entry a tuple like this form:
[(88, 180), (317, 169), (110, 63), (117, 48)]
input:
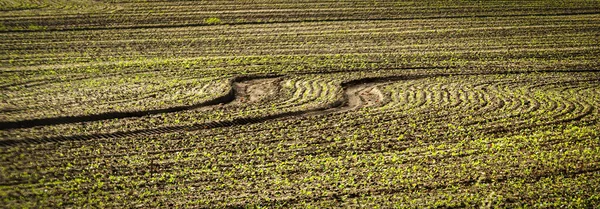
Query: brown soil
[(357, 96), (256, 90)]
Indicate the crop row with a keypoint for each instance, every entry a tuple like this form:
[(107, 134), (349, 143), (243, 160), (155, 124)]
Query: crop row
[(555, 36), (109, 94), (161, 14)]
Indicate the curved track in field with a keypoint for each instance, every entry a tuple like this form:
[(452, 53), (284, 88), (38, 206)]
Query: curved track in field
[(357, 93), (361, 93), (226, 98)]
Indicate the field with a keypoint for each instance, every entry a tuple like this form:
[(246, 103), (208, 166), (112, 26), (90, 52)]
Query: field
[(299, 104)]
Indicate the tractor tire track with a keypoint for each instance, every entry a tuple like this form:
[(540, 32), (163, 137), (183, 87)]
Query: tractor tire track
[(226, 98), (358, 93)]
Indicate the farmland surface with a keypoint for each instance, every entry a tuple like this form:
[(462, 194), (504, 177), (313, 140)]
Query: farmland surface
[(295, 104)]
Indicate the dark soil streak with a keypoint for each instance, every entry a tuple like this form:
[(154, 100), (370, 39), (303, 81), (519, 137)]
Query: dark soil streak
[(230, 96)]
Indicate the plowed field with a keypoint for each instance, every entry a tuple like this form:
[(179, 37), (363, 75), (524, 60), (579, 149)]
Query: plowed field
[(296, 104)]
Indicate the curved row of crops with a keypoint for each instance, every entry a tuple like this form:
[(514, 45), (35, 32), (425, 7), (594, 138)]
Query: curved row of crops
[(109, 94)]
